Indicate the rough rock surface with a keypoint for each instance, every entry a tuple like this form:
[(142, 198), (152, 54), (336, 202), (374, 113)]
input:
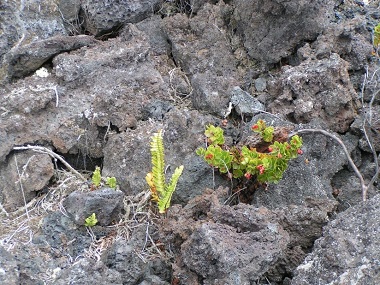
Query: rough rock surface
[(316, 89), (21, 179), (272, 29), (107, 203), (24, 23), (348, 250), (105, 16), (201, 49), (244, 104), (122, 257), (225, 244), (26, 59), (178, 66), (8, 268)]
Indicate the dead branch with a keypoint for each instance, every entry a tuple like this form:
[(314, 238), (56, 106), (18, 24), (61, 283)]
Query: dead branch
[(45, 150), (346, 152)]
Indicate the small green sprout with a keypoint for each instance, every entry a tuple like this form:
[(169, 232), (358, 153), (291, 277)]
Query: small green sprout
[(96, 177), (111, 182), (91, 221)]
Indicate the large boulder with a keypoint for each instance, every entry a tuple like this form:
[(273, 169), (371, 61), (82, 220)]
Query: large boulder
[(348, 251), (271, 30), (239, 244), (27, 58), (106, 16), (315, 89), (54, 107), (23, 24), (106, 203)]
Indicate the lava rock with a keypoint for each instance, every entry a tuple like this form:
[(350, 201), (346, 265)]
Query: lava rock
[(106, 203), (348, 250), (26, 173), (245, 103)]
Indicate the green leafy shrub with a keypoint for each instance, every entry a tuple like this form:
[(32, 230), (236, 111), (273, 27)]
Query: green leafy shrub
[(268, 166), (161, 192)]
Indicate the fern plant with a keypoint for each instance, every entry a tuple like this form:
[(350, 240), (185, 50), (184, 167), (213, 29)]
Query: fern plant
[(97, 178), (161, 192), (376, 36)]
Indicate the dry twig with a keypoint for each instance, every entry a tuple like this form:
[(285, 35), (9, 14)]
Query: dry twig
[(45, 150), (346, 152)]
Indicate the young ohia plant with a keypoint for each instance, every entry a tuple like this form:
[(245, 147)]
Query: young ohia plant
[(267, 167)]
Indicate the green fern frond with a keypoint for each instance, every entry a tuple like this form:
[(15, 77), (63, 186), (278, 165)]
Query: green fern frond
[(96, 177), (158, 162), (164, 202), (161, 192)]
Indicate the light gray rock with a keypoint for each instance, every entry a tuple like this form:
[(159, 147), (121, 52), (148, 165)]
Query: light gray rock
[(260, 84), (9, 273), (244, 103), (348, 251), (106, 203), (26, 173)]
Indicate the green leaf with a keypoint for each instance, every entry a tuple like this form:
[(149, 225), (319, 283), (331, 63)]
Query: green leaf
[(91, 221), (111, 182), (96, 177), (164, 202), (376, 36), (215, 135), (267, 134), (158, 162), (200, 151), (162, 192)]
